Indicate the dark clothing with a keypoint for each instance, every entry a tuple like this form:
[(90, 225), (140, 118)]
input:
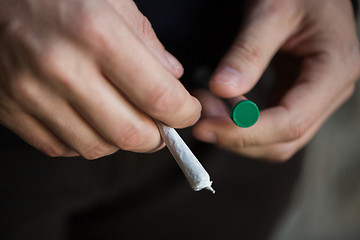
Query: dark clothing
[(137, 196), (146, 196)]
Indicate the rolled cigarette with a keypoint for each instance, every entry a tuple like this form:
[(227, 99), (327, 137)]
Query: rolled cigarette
[(195, 173)]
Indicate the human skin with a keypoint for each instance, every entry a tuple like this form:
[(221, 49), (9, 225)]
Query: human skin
[(86, 77), (321, 36), (75, 83)]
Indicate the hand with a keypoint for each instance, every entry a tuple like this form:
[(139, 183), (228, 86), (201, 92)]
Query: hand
[(87, 77), (321, 35)]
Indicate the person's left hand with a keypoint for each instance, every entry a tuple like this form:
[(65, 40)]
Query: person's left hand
[(322, 35)]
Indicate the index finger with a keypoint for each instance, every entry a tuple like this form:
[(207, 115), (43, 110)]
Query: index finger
[(137, 73)]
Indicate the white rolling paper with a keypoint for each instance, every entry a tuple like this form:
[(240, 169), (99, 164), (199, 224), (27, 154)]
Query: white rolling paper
[(195, 173)]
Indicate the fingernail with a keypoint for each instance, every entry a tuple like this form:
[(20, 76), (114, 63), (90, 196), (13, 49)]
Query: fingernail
[(206, 136), (175, 64), (227, 76)]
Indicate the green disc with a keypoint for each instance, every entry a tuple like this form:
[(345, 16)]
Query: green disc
[(245, 113)]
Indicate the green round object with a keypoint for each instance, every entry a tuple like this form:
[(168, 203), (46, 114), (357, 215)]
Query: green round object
[(245, 113)]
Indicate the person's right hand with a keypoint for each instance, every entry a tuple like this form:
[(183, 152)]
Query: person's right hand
[(86, 77)]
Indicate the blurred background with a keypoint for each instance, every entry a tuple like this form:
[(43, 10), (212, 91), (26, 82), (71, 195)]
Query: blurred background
[(326, 204)]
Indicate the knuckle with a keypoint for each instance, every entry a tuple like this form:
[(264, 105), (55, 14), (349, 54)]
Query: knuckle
[(86, 12), (98, 150), (17, 31), (67, 83), (90, 22), (275, 7), (146, 29), (48, 56), (129, 138), (296, 131), (161, 100), (272, 8), (50, 60), (249, 52), (23, 90), (55, 70), (238, 143), (54, 150), (14, 29), (64, 80)]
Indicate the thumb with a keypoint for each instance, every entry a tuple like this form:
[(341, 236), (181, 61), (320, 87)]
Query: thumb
[(142, 28), (267, 27)]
